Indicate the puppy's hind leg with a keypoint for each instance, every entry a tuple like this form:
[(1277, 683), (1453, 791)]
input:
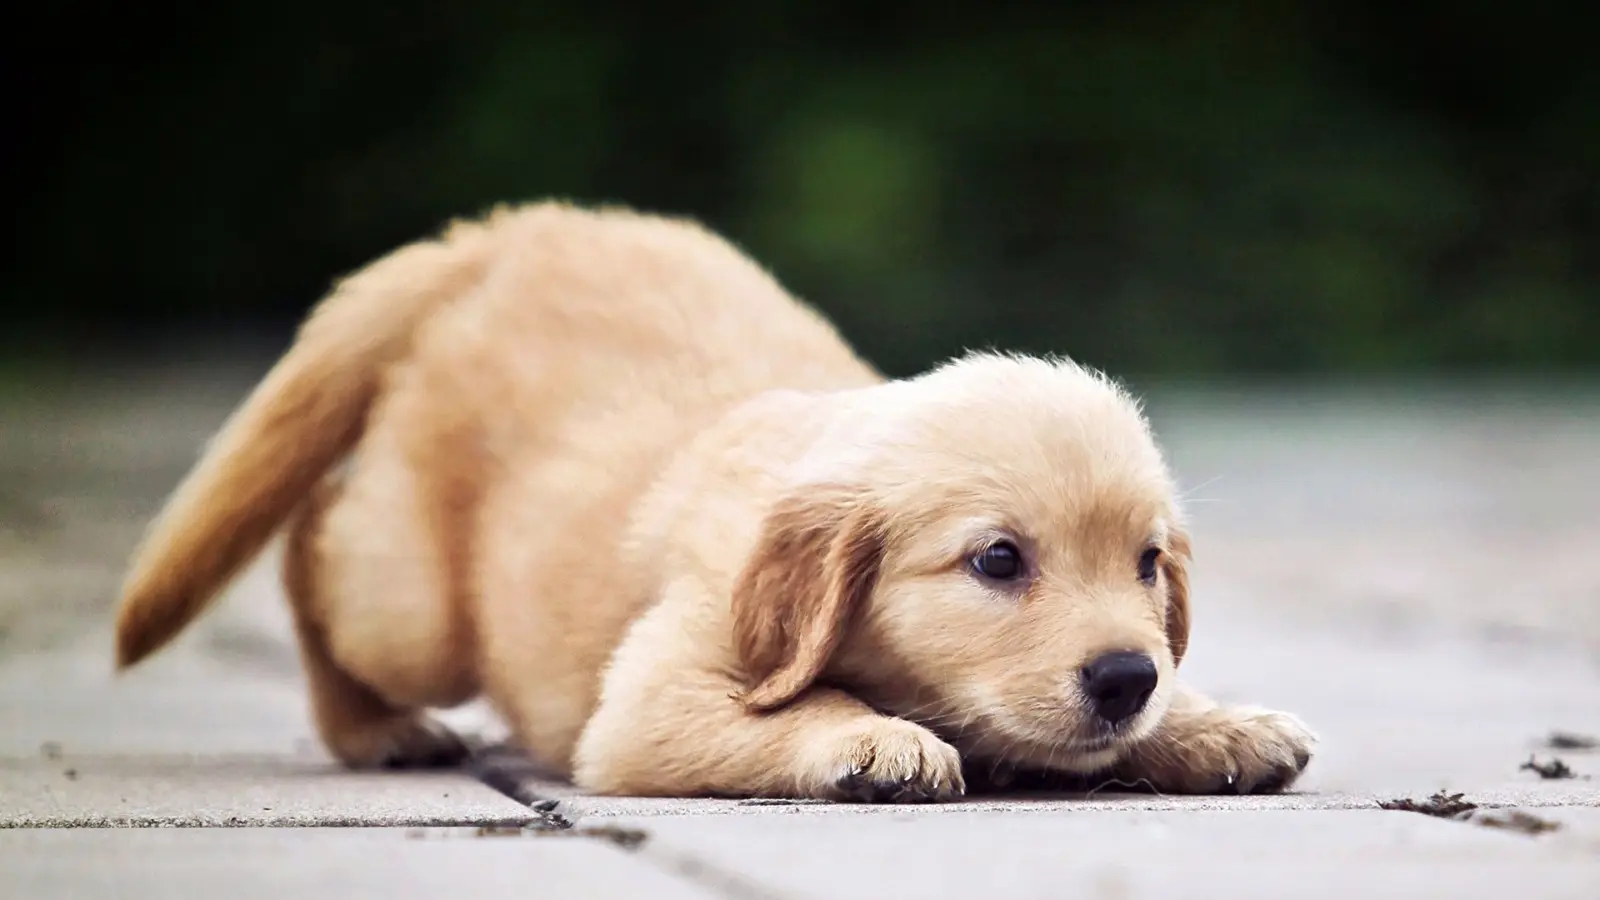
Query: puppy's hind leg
[(358, 725)]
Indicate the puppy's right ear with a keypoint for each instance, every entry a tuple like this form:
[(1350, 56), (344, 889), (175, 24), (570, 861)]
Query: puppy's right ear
[(813, 566), (1176, 567)]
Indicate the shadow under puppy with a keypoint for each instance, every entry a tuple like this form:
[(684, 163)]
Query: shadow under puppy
[(600, 468)]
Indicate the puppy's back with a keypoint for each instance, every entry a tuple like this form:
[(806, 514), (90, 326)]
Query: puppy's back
[(618, 296)]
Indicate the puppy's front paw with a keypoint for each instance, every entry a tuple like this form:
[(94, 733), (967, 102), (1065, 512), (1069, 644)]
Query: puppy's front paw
[(1224, 750), (888, 761)]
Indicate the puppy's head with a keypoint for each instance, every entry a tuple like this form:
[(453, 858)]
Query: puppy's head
[(993, 548)]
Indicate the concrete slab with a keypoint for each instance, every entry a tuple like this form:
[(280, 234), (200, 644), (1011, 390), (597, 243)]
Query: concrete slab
[(313, 863), (231, 684), (580, 808), (83, 465), (90, 791), (185, 703), (1400, 711), (1577, 828), (1461, 508), (1050, 854)]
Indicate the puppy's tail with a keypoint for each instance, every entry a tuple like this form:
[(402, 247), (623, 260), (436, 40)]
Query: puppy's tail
[(299, 421)]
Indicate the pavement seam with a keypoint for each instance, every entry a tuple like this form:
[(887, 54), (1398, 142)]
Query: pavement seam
[(573, 808), (554, 816), (120, 822), (706, 875)]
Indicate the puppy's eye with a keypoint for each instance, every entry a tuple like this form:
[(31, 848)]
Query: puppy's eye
[(1147, 564), (1001, 561)]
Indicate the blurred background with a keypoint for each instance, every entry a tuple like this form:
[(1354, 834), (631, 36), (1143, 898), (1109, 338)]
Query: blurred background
[(1152, 187), (1350, 250)]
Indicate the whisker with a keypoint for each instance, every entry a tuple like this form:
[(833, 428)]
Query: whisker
[(1185, 494)]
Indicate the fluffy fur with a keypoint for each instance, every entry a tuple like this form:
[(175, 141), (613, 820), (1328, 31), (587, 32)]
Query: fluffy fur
[(601, 468)]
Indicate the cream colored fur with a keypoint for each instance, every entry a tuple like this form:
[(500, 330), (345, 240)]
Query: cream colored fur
[(602, 469)]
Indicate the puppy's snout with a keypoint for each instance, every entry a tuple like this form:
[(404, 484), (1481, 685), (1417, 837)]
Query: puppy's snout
[(1118, 684)]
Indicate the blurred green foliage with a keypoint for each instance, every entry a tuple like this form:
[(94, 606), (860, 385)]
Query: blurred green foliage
[(1162, 187)]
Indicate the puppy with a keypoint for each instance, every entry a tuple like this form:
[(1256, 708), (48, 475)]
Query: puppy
[(600, 468)]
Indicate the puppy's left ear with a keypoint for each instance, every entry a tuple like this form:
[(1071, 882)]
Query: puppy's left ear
[(814, 565), (1175, 566)]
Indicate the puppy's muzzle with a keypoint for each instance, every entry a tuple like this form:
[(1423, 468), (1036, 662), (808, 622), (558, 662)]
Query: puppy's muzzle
[(1118, 684)]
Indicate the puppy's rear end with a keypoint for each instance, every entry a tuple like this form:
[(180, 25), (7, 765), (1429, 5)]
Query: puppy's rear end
[(305, 415)]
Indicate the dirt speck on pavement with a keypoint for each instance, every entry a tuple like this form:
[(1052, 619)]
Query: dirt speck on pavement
[(1517, 820), (626, 838), (498, 831), (1553, 769), (1440, 805), (1566, 740)]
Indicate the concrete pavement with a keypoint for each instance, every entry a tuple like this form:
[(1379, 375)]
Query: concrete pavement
[(347, 863), (1406, 571)]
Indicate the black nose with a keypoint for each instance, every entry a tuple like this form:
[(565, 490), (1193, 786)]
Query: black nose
[(1119, 684)]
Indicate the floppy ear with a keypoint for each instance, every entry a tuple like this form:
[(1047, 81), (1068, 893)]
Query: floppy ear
[(1175, 565), (812, 568)]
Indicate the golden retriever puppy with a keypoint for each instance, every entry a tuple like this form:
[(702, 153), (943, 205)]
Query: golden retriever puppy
[(601, 468)]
